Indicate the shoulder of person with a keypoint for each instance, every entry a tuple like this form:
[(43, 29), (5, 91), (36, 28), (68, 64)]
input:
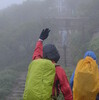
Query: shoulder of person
[(59, 67)]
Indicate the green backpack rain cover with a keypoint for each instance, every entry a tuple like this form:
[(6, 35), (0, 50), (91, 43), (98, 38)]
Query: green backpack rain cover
[(39, 81)]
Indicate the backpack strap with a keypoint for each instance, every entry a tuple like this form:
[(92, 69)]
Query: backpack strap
[(57, 89), (57, 84)]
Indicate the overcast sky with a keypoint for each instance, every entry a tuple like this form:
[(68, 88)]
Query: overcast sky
[(6, 3)]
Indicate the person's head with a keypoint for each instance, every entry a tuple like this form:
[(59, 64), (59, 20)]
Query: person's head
[(50, 52), (90, 54)]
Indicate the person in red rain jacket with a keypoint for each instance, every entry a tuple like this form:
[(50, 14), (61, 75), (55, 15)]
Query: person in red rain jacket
[(50, 52)]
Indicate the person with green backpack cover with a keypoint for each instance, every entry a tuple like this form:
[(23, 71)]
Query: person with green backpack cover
[(45, 79)]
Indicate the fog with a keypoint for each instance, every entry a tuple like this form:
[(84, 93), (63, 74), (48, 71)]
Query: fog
[(7, 3), (74, 29)]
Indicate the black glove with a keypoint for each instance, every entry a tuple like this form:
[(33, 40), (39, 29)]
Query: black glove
[(44, 34)]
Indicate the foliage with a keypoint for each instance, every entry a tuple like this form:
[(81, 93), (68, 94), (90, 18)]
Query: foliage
[(79, 44), (94, 45), (8, 77)]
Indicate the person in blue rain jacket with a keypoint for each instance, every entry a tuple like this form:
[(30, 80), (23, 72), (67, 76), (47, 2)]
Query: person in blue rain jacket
[(88, 53)]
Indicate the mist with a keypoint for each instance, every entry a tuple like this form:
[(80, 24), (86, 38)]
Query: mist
[(7, 3), (74, 29)]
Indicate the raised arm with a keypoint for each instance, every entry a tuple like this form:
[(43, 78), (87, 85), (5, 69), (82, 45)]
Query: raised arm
[(38, 52)]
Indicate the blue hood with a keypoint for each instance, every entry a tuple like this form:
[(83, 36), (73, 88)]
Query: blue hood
[(91, 54)]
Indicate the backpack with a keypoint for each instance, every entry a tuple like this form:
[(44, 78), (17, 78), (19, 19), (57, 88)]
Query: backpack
[(39, 81), (86, 80)]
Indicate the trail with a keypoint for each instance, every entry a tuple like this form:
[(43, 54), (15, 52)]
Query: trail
[(18, 89)]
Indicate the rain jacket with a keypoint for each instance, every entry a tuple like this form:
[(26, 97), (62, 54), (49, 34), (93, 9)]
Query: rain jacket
[(60, 78), (88, 53)]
